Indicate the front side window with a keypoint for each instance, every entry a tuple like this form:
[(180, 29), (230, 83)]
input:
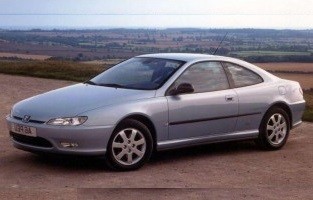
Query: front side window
[(205, 77), (241, 76), (138, 73)]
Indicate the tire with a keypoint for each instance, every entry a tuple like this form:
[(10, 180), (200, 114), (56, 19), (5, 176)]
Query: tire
[(274, 129), (130, 146)]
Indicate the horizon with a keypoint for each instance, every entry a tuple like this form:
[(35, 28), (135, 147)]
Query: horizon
[(62, 28)]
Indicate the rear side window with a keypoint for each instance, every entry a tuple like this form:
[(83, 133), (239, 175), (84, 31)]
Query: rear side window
[(241, 76), (205, 77)]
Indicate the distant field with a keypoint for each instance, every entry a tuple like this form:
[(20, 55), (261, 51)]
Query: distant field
[(305, 80), (269, 53), (24, 56), (303, 67), (289, 71)]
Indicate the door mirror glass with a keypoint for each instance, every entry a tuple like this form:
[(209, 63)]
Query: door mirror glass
[(183, 88)]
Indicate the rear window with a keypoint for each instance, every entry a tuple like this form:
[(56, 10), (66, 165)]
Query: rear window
[(241, 76)]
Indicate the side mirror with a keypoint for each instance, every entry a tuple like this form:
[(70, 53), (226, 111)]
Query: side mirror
[(183, 88)]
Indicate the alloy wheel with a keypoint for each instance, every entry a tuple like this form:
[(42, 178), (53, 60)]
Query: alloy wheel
[(129, 146), (276, 129)]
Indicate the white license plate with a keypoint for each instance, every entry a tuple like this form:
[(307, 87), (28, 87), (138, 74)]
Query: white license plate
[(23, 130)]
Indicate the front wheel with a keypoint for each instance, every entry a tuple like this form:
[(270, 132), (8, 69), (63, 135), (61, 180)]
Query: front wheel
[(130, 146), (274, 129)]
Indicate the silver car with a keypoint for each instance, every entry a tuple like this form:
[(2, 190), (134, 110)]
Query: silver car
[(156, 102)]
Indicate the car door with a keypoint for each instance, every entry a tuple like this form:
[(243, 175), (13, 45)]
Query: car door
[(211, 109)]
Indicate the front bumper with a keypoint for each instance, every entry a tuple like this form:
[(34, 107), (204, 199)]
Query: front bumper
[(90, 140)]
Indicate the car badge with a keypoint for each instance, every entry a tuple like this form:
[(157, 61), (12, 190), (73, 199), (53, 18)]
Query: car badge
[(26, 119)]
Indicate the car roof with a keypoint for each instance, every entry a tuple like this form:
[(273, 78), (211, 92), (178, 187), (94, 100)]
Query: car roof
[(187, 57), (191, 57)]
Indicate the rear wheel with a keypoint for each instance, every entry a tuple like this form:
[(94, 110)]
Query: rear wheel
[(130, 146), (274, 129)]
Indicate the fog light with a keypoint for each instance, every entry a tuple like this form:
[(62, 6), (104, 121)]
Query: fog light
[(69, 144)]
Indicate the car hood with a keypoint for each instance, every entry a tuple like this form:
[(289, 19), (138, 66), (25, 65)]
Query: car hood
[(73, 100)]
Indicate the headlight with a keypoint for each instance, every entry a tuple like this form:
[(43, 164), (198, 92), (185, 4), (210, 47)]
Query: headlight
[(67, 121)]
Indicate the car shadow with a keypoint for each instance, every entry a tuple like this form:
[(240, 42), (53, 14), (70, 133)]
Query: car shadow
[(164, 157), (71, 162)]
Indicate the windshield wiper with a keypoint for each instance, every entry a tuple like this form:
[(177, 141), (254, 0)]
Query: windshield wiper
[(90, 82), (112, 85)]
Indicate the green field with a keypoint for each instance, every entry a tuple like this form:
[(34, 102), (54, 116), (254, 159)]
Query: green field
[(64, 70)]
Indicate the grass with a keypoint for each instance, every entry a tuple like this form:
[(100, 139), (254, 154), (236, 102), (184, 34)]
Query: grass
[(64, 70), (77, 71), (308, 113)]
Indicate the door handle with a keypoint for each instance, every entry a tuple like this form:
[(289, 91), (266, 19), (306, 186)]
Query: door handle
[(229, 98)]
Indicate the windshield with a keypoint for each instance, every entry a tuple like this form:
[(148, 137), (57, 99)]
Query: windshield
[(138, 73)]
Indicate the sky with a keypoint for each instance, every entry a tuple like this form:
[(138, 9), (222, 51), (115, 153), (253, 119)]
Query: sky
[(278, 14)]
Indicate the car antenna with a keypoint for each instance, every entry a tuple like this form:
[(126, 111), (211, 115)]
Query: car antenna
[(220, 43)]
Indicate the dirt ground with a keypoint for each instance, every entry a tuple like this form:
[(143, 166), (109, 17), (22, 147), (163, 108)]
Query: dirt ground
[(237, 170)]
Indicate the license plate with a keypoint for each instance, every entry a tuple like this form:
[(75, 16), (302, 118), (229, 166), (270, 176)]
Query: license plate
[(23, 130)]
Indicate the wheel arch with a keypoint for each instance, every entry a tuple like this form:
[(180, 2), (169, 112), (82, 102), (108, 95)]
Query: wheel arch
[(285, 107), (146, 120)]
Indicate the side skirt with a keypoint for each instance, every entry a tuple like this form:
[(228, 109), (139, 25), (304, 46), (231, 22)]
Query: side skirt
[(178, 143)]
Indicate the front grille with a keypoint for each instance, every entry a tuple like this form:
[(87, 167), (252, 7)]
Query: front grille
[(31, 120), (34, 141)]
